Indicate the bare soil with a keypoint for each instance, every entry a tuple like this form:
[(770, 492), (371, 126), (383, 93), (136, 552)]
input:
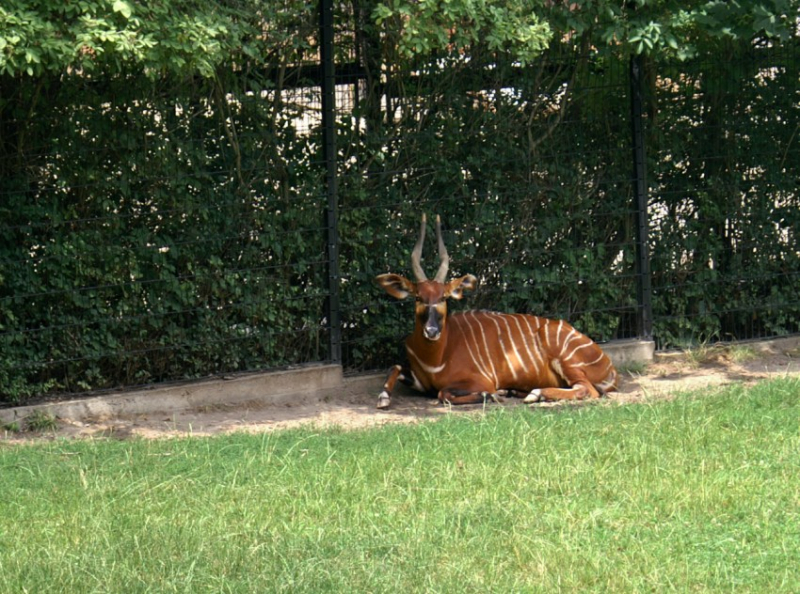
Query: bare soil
[(354, 406)]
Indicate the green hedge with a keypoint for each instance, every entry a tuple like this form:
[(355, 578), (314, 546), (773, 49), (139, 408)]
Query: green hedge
[(159, 210)]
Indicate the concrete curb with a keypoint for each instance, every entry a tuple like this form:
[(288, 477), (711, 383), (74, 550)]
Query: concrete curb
[(273, 387), (627, 352)]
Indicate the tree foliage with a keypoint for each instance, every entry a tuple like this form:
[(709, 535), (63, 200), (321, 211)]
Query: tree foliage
[(526, 28), (183, 38)]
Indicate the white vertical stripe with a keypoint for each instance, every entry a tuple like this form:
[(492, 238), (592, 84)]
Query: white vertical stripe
[(479, 359), (488, 351), (589, 363), (524, 337), (573, 334), (505, 318), (478, 364), (493, 317), (578, 348), (537, 347)]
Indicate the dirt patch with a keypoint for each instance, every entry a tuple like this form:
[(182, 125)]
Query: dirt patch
[(354, 406)]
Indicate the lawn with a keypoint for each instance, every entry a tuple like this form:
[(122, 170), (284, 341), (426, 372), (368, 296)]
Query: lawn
[(700, 493)]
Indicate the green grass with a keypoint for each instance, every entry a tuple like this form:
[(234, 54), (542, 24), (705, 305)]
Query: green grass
[(698, 494)]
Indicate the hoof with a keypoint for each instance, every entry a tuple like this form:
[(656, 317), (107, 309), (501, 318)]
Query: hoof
[(499, 398), (533, 397), (384, 401)]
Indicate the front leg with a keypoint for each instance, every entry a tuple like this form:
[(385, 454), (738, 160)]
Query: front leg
[(385, 397), (396, 373)]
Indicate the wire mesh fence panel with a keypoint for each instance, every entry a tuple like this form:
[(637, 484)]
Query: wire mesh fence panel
[(724, 162)]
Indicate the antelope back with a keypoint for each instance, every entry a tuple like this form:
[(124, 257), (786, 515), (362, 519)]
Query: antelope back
[(523, 352)]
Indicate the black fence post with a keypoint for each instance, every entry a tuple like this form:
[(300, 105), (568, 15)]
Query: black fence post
[(329, 156), (644, 320)]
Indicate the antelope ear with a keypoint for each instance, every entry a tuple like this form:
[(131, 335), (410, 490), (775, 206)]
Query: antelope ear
[(397, 286), (456, 287)]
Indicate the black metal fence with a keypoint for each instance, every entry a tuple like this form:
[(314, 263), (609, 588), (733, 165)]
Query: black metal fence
[(161, 230)]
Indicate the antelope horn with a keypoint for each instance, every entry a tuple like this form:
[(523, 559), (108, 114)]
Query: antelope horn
[(441, 274), (416, 253)]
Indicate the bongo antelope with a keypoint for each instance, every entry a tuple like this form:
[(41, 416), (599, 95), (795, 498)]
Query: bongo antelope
[(471, 356)]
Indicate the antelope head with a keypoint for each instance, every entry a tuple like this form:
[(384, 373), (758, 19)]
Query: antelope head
[(430, 295)]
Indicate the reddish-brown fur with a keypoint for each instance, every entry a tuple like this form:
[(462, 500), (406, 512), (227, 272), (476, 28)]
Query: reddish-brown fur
[(471, 356)]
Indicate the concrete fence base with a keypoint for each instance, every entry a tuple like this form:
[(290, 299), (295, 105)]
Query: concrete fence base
[(271, 387)]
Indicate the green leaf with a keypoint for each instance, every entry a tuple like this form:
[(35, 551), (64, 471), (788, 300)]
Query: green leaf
[(123, 8)]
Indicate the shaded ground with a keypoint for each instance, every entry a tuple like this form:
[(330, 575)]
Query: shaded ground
[(354, 406)]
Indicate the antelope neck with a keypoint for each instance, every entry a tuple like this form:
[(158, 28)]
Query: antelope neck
[(428, 354)]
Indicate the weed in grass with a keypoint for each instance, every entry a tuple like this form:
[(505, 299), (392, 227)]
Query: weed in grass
[(700, 355), (40, 420), (12, 427), (739, 354), (633, 368), (705, 354)]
